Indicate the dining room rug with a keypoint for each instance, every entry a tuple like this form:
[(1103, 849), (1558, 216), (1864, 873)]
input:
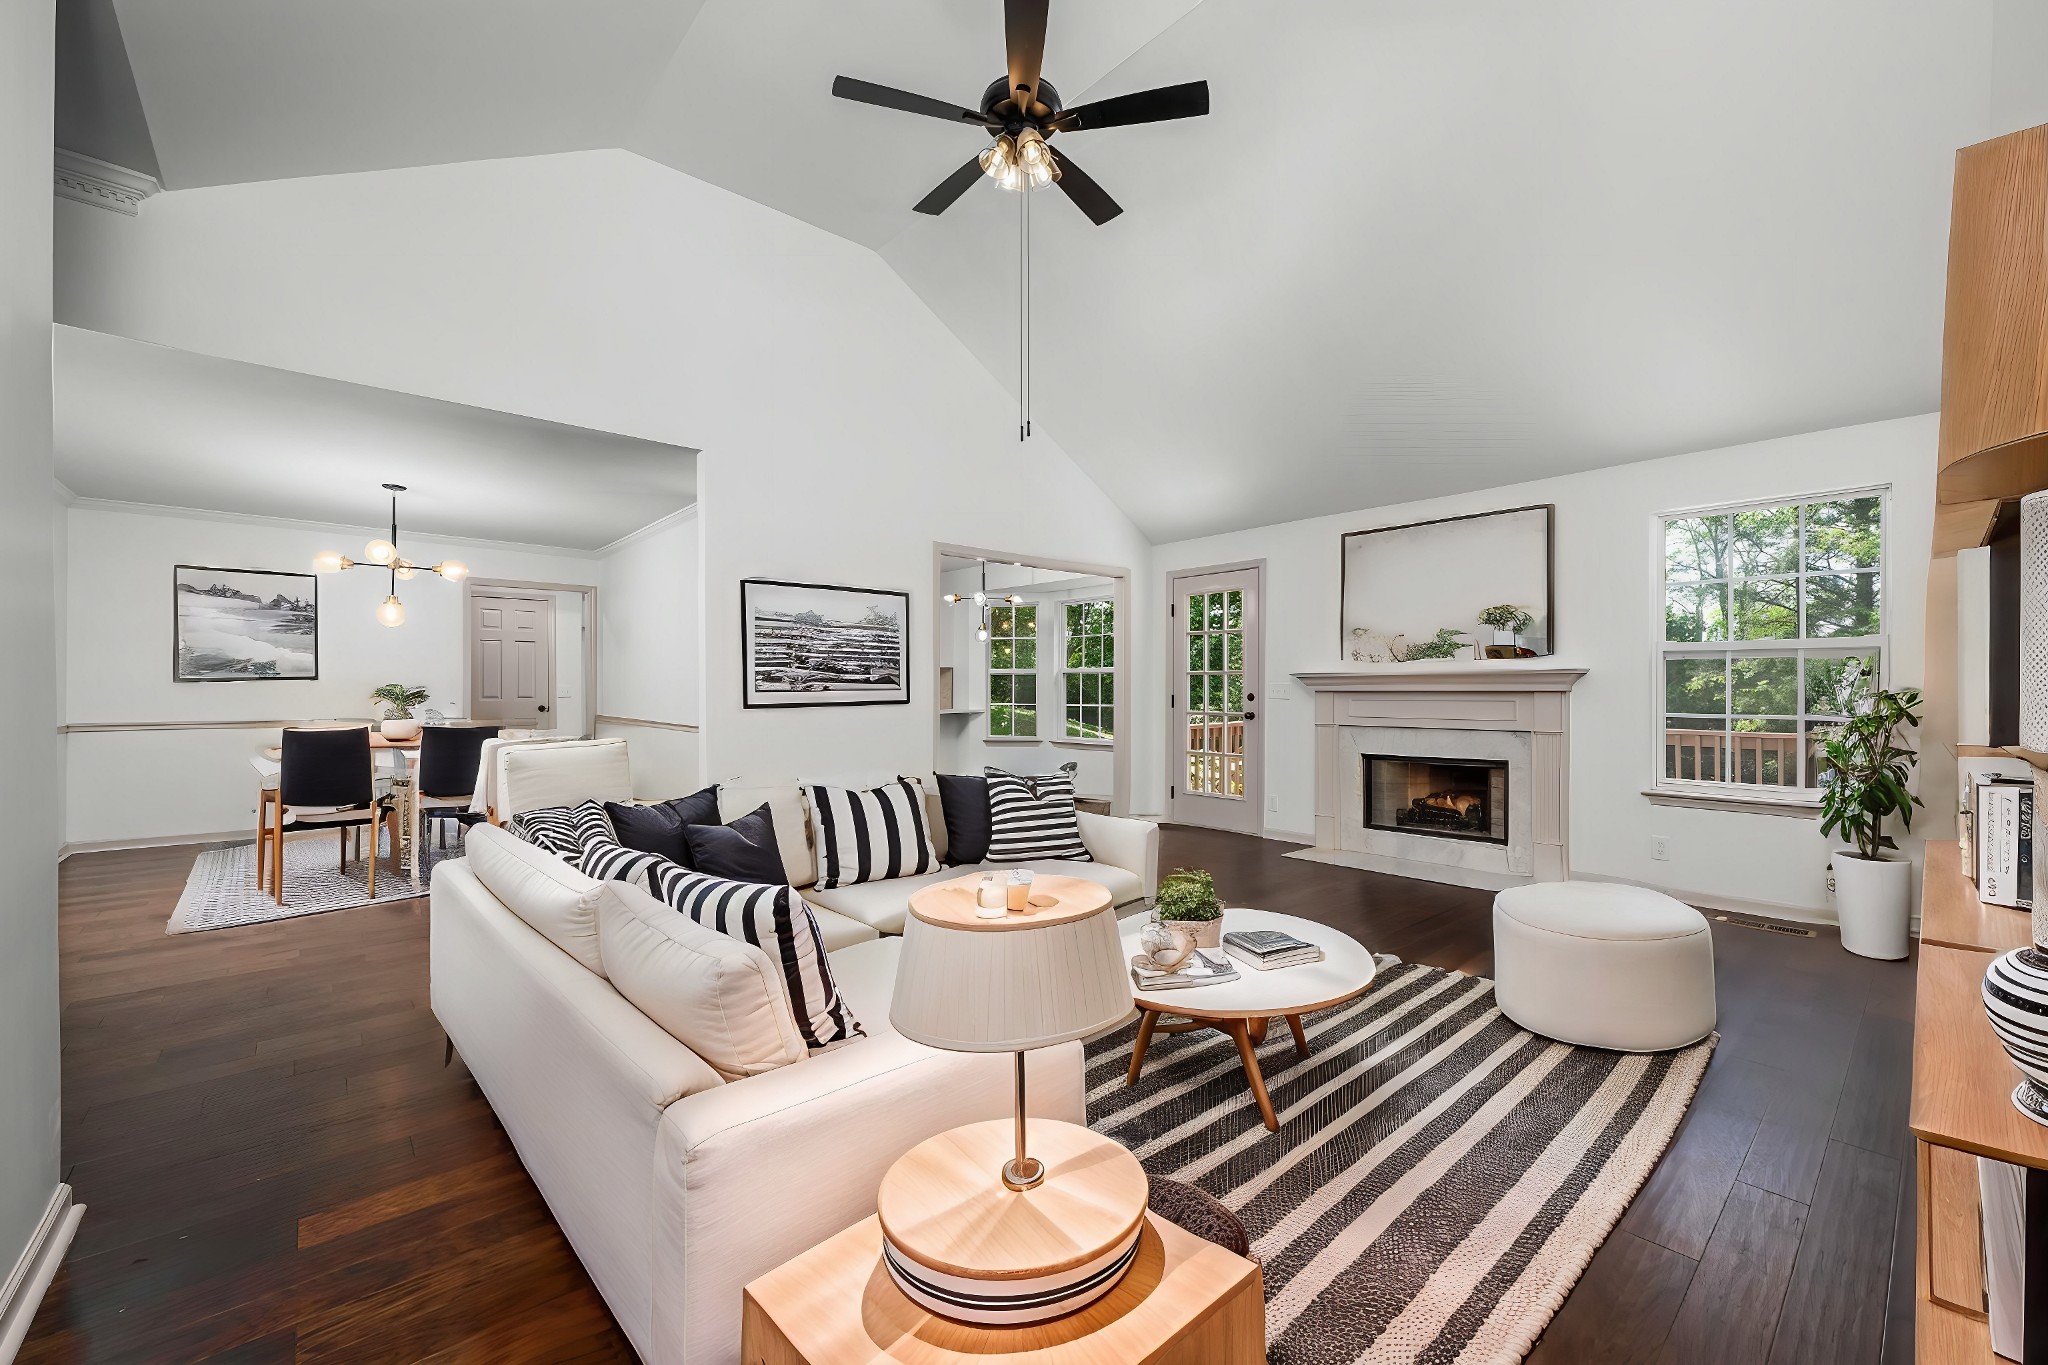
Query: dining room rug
[(221, 892), (1440, 1176)]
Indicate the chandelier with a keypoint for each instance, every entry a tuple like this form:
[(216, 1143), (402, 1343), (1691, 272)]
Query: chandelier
[(383, 554), (981, 600)]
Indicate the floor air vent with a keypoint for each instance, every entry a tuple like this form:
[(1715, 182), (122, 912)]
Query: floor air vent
[(1767, 925)]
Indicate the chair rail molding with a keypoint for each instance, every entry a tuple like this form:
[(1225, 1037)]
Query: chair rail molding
[(102, 184)]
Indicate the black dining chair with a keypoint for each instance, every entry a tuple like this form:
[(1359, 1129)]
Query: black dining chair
[(449, 758), (327, 779)]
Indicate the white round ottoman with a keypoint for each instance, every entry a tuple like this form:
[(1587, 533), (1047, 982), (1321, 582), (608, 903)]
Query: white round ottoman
[(1603, 965)]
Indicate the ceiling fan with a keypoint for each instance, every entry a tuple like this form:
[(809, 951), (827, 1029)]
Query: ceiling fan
[(1024, 112)]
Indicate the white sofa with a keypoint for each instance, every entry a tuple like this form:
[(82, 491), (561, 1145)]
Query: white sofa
[(675, 1186)]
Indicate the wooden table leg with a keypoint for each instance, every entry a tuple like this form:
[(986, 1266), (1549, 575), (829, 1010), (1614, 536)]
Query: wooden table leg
[(1147, 1021), (1241, 1033), (1300, 1037), (1257, 1028)]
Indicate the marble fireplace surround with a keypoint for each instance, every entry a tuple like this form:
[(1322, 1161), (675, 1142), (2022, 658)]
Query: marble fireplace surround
[(1499, 709)]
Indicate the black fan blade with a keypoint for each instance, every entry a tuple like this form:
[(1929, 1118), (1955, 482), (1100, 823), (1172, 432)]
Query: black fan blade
[(1090, 197), (867, 92), (1147, 106), (951, 188), (1024, 38)]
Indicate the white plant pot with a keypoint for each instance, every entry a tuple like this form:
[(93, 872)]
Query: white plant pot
[(1875, 903), (399, 729)]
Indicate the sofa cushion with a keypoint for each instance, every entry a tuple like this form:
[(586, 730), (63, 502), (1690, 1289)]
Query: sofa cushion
[(536, 776), (1033, 817), (879, 905), (557, 900), (716, 995), (658, 826), (867, 836), (565, 830), (743, 851), (934, 813), (840, 931), (785, 802), (965, 801), (775, 920)]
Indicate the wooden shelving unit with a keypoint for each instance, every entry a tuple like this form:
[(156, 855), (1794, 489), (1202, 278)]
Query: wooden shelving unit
[(1951, 916)]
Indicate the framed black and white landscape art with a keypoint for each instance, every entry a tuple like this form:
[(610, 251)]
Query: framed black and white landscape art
[(244, 625), (810, 644)]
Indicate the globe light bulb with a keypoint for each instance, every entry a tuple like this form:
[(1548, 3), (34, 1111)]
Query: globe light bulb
[(380, 552), (405, 569), (953, 599), (331, 561), (981, 634), (452, 569), (391, 612), (981, 599)]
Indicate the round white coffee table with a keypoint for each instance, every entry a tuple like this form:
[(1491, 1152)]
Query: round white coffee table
[(1244, 1007)]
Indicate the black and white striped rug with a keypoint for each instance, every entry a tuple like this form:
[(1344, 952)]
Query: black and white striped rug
[(1440, 1177)]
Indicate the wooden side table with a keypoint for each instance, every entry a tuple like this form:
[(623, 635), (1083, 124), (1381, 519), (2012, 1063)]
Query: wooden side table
[(1184, 1302)]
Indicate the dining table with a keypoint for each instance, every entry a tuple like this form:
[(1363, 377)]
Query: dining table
[(394, 774)]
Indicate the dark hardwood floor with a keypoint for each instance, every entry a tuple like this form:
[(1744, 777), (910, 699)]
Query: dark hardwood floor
[(278, 1168)]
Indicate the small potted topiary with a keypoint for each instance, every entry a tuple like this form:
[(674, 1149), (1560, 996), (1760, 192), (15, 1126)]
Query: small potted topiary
[(399, 724), (1187, 900)]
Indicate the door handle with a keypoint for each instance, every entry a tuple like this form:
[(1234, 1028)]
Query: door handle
[(1251, 715), (543, 709)]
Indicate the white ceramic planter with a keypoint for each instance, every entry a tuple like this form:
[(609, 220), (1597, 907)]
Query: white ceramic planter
[(1875, 903), (399, 729)]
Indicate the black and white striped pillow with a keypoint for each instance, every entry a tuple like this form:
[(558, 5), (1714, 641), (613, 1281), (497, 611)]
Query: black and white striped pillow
[(612, 862), (871, 836), (1033, 817), (779, 922), (565, 831)]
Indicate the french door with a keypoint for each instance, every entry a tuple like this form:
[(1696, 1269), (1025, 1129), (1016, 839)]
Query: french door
[(1216, 777)]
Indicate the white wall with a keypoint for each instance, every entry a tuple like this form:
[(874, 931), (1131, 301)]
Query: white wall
[(652, 637), (964, 742), (843, 428), (1606, 580), (127, 786), (572, 716), (28, 816)]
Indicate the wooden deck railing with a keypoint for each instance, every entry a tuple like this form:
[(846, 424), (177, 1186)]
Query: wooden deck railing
[(1751, 757)]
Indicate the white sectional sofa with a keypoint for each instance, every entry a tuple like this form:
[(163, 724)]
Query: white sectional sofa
[(675, 1185)]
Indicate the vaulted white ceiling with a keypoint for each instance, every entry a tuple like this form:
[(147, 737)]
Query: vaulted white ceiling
[(1418, 247)]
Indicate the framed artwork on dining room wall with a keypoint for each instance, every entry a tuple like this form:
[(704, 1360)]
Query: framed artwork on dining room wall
[(817, 644), (244, 625), (1479, 585)]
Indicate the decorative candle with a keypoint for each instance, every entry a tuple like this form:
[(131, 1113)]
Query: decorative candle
[(988, 898), (1020, 888)]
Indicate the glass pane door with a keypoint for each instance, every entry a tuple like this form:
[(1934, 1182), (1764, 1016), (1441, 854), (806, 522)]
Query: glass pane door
[(1214, 634)]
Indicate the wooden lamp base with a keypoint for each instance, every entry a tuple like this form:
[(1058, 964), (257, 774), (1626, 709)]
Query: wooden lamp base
[(960, 1242)]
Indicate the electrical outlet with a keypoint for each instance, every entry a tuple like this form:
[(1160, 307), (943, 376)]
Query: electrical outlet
[(1660, 847), (1273, 803)]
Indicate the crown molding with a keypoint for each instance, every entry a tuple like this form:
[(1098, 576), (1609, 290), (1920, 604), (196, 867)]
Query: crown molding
[(682, 514), (101, 184), (151, 509)]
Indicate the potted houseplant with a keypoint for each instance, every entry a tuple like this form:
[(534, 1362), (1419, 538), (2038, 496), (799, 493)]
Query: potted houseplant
[(1864, 770), (398, 722), (1187, 900), (1508, 623)]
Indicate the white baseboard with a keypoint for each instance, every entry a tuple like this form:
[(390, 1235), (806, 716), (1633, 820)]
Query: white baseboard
[(1734, 905), (34, 1269), (1287, 836), (231, 836)]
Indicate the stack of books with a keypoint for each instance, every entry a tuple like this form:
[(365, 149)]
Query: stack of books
[(1998, 835), (1267, 949), (1199, 969)]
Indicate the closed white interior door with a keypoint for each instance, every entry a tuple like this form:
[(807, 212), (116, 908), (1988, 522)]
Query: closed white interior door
[(1216, 777), (512, 658)]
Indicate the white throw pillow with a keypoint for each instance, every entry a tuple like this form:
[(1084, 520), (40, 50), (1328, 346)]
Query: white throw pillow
[(792, 818), (554, 898), (714, 994)]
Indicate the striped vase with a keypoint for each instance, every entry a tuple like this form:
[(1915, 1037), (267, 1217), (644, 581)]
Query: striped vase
[(2016, 998)]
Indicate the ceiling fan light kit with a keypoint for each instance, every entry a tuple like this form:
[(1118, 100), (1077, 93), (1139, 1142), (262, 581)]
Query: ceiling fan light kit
[(383, 554), (1023, 110)]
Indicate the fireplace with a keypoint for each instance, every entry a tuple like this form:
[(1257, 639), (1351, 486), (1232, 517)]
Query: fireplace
[(1445, 798)]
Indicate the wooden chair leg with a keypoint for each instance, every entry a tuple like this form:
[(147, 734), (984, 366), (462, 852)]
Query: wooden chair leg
[(373, 861), (342, 831)]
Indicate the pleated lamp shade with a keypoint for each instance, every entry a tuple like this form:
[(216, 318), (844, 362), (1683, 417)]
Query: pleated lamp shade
[(1028, 980)]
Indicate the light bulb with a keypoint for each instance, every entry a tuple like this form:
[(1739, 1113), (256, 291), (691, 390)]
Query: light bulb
[(981, 599), (952, 599), (999, 159), (1012, 599), (391, 612), (452, 569), (331, 561), (405, 569), (981, 634), (380, 552)]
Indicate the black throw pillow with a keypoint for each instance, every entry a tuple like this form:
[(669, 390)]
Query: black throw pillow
[(743, 851), (658, 828), (965, 803)]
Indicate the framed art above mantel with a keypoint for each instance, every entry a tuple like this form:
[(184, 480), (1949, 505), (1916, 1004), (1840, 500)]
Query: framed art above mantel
[(1424, 584)]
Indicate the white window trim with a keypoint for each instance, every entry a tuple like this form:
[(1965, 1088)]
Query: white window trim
[(989, 673), (1800, 801), (1060, 674)]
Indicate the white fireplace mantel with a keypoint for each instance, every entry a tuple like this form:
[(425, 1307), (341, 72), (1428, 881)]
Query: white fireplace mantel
[(1517, 711)]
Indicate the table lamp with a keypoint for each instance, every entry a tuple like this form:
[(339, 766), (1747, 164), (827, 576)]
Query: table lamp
[(1011, 1221)]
